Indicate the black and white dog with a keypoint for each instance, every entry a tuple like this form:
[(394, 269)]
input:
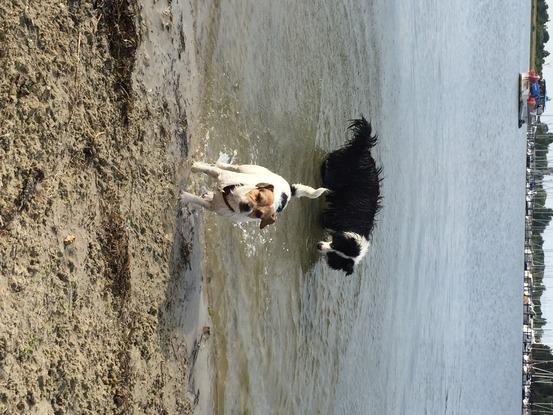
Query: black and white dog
[(351, 175)]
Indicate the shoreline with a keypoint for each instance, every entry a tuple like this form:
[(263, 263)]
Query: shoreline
[(102, 292)]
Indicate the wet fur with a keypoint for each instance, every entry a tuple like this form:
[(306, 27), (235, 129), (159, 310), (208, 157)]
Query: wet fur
[(354, 198), (247, 177)]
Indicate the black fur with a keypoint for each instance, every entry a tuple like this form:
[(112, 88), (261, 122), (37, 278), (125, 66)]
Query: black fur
[(339, 263), (284, 200), (354, 180), (354, 198)]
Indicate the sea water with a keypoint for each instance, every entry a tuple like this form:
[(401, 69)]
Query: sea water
[(430, 323)]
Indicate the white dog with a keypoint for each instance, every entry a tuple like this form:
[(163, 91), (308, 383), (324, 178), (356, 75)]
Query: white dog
[(247, 192)]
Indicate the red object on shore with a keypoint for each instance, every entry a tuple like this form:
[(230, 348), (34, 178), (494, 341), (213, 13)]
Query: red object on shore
[(532, 76)]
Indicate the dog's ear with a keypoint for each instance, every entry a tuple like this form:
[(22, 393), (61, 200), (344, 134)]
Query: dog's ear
[(265, 186), (267, 220)]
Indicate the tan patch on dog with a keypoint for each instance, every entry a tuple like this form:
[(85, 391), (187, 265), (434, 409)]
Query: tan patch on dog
[(267, 215), (261, 196), (262, 199)]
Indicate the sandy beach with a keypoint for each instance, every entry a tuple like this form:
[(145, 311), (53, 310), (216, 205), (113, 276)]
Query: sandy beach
[(100, 289)]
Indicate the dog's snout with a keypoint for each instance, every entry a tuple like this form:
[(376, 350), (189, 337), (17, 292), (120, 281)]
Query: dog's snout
[(320, 246)]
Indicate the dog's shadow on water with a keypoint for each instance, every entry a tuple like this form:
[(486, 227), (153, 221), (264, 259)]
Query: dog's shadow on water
[(305, 218)]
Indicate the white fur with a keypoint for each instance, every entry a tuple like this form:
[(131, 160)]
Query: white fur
[(248, 175), (214, 201), (363, 244), (307, 191)]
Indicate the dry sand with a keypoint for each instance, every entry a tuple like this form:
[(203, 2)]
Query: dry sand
[(100, 290)]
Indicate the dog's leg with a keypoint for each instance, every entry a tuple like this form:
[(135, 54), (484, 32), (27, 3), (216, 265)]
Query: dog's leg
[(301, 190), (208, 196), (244, 168), (230, 167), (186, 197), (208, 169)]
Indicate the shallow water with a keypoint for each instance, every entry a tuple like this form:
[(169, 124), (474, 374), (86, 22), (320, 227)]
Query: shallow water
[(430, 323)]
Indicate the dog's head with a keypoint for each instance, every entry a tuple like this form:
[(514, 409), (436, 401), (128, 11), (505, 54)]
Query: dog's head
[(261, 204), (262, 195), (344, 250)]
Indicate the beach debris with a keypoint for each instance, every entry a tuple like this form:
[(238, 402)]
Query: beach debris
[(69, 239), (32, 179), (16, 287), (206, 332), (194, 354)]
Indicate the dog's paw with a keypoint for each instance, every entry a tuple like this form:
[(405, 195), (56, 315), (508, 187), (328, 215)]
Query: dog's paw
[(185, 197), (207, 196), (199, 166), (222, 165)]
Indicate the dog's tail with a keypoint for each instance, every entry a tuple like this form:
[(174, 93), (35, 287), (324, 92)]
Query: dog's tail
[(301, 190), (362, 132)]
